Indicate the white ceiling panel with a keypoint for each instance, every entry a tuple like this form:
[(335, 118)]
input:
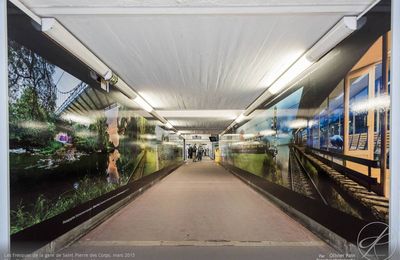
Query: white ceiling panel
[(203, 125), (191, 6), (198, 61), (201, 54), (225, 114)]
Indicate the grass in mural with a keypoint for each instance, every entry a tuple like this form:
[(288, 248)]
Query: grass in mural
[(261, 165), (310, 168), (44, 209), (151, 162), (253, 163)]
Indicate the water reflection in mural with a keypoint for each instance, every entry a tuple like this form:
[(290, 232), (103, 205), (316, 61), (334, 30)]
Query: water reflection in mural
[(70, 143)]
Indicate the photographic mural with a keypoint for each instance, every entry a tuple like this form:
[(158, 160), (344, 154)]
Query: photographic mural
[(70, 142), (263, 146), (328, 139)]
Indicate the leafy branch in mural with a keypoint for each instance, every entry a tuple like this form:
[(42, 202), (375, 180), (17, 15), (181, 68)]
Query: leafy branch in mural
[(32, 97), (32, 91)]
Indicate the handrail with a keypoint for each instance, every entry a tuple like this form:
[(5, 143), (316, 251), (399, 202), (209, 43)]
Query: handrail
[(363, 161), (343, 169)]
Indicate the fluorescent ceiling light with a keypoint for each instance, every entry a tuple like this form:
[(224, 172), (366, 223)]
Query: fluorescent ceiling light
[(333, 37), (185, 131), (239, 118), (168, 125), (143, 104), (257, 103), (160, 118), (218, 113), (125, 89), (56, 31), (338, 33), (52, 28), (295, 70), (280, 67)]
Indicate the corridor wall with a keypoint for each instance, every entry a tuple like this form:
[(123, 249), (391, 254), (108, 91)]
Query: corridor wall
[(71, 142), (335, 110)]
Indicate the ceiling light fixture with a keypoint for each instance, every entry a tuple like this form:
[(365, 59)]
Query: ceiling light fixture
[(296, 69), (143, 104), (280, 66), (168, 125), (346, 26), (339, 32), (240, 118), (333, 37), (57, 32), (52, 28)]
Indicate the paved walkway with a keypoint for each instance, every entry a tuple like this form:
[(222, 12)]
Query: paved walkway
[(207, 210)]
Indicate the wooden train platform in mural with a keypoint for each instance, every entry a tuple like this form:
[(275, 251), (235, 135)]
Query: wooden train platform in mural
[(379, 205)]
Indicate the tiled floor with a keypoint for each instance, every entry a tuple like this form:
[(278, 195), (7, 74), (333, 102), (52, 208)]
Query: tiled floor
[(197, 211)]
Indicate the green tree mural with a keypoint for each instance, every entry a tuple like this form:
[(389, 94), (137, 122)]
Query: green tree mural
[(32, 91)]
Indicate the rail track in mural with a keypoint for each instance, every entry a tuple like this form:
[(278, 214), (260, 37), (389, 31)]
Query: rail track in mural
[(300, 180)]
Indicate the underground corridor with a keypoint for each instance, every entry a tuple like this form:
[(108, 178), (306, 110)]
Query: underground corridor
[(198, 129)]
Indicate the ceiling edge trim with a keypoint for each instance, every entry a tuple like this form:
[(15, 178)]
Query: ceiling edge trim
[(234, 10)]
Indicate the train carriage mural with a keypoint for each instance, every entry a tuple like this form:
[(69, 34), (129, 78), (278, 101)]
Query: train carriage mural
[(327, 138)]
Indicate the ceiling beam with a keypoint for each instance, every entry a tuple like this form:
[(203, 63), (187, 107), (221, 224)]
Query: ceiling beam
[(315, 8), (200, 132), (221, 113)]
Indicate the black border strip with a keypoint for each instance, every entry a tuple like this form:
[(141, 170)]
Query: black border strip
[(38, 235), (340, 223)]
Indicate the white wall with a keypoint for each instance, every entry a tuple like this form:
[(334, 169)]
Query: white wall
[(395, 134), (4, 168)]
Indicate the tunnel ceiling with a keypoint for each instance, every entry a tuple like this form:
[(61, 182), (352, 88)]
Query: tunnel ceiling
[(197, 55), (333, 68)]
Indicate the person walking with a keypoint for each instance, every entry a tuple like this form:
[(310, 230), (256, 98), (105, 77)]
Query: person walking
[(200, 153), (190, 152), (194, 152)]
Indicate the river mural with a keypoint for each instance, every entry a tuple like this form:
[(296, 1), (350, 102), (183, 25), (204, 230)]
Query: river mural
[(61, 157), (263, 146)]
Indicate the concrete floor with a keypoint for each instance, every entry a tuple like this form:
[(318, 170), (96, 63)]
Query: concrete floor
[(201, 211)]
